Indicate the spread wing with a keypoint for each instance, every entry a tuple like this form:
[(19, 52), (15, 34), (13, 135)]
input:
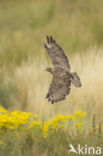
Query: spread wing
[(59, 87), (56, 53)]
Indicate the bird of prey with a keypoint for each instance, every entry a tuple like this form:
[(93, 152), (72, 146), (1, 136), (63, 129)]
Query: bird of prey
[(62, 76)]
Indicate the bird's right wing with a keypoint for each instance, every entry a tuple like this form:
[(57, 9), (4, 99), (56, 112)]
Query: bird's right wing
[(56, 53), (59, 88)]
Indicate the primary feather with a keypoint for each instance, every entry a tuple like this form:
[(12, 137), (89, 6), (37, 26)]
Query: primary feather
[(56, 53)]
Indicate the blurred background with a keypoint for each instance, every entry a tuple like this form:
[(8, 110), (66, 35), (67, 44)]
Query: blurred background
[(77, 26)]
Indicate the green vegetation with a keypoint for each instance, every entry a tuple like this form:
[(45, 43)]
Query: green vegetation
[(7, 92), (77, 26), (22, 133)]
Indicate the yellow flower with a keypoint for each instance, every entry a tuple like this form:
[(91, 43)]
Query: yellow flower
[(79, 113), (45, 128), (2, 110), (55, 125), (94, 129), (71, 117), (35, 123), (78, 125), (18, 120)]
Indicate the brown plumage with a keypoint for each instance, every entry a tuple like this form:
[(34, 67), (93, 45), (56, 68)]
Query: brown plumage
[(62, 77)]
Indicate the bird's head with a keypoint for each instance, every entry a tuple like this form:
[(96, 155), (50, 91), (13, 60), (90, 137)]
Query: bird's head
[(48, 69)]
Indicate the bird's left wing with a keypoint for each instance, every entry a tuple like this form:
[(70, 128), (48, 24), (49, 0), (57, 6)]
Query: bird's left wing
[(56, 53)]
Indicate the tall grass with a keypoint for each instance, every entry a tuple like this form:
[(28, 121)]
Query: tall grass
[(33, 83)]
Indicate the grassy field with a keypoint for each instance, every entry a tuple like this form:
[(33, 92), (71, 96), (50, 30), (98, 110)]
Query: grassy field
[(33, 84), (77, 26)]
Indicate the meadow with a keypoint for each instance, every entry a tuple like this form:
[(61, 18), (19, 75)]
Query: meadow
[(77, 26)]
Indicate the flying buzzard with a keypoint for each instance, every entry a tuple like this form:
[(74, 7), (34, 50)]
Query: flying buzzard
[(62, 76)]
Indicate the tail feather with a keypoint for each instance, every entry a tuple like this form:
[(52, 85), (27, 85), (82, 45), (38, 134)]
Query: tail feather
[(75, 80)]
